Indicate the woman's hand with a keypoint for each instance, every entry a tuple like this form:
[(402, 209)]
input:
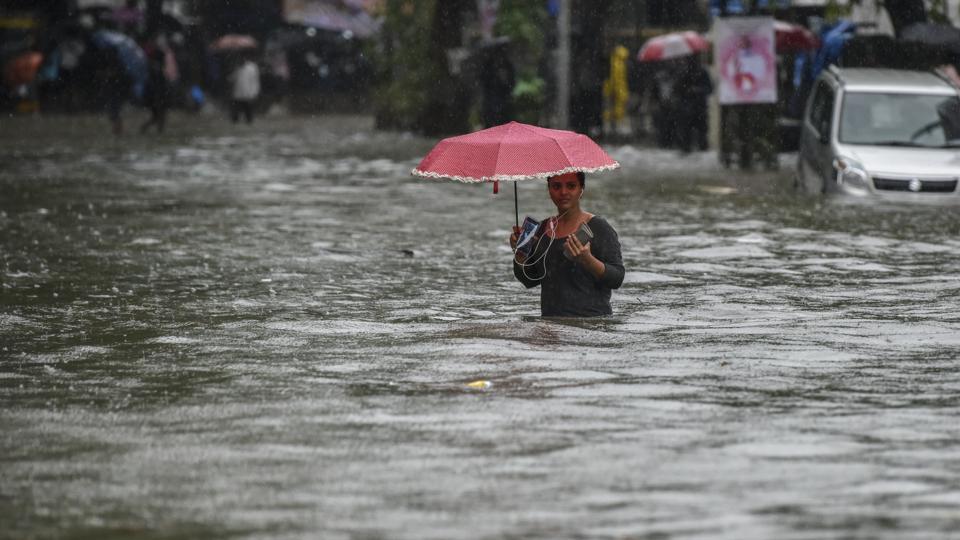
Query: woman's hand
[(582, 255), (577, 251), (514, 238)]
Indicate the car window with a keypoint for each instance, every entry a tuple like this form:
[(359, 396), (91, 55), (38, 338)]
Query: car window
[(821, 108), (900, 119)]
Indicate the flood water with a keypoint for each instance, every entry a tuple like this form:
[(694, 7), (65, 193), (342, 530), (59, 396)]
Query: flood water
[(269, 331)]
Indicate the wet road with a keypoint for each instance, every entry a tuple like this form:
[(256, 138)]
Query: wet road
[(268, 332)]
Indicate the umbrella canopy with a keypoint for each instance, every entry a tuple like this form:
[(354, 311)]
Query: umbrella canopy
[(673, 45), (793, 38), (341, 16), (233, 42), (131, 56), (512, 152), (937, 36), (22, 69), (790, 38)]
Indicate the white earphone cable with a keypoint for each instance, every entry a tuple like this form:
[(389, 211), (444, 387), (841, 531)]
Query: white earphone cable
[(525, 264)]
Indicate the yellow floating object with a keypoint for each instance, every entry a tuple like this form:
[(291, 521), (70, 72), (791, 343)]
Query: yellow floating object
[(718, 190), (480, 385)]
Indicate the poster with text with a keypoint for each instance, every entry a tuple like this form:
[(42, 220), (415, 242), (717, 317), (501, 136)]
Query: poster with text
[(746, 63)]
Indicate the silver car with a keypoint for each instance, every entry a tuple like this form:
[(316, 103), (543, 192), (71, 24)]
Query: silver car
[(882, 134)]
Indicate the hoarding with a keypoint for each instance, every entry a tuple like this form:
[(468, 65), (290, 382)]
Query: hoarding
[(746, 64)]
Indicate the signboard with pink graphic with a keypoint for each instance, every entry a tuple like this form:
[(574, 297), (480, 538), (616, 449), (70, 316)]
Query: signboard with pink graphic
[(745, 60)]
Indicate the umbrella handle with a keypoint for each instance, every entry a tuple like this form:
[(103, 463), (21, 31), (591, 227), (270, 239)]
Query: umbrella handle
[(516, 204)]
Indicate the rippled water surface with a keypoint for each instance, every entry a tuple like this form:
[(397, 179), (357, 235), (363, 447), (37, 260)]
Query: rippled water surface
[(269, 332)]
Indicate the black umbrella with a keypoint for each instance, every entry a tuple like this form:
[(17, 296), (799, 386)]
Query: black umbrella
[(938, 36)]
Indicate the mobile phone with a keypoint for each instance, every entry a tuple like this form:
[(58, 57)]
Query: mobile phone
[(584, 234), (528, 231)]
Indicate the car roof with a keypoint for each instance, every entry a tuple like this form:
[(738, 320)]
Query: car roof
[(892, 80)]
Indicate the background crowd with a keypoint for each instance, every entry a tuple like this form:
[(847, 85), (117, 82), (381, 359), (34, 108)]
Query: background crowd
[(448, 67)]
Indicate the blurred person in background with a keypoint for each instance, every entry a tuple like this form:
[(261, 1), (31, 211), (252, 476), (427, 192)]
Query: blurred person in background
[(665, 105), (156, 95), (616, 92), (497, 81), (693, 88), (115, 87), (246, 90)]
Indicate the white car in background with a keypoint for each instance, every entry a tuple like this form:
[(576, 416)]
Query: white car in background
[(883, 134)]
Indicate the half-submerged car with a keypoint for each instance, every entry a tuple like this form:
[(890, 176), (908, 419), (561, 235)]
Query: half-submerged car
[(883, 134)]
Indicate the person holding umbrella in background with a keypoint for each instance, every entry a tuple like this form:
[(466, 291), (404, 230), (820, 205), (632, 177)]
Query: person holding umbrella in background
[(576, 277), (678, 86), (121, 72)]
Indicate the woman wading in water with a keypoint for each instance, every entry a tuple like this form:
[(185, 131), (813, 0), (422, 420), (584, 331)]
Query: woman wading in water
[(576, 278)]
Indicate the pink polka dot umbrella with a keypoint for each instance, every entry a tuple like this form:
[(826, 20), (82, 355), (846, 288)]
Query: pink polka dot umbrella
[(513, 152)]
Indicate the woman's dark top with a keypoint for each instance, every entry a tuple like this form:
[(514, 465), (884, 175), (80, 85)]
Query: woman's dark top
[(568, 289)]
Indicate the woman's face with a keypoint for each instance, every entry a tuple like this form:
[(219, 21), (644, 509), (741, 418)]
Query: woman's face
[(565, 191)]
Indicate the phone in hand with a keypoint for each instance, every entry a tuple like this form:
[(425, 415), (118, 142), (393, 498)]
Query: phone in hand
[(528, 231), (584, 234)]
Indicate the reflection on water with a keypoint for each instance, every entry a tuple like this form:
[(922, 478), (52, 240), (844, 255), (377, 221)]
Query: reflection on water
[(269, 332)]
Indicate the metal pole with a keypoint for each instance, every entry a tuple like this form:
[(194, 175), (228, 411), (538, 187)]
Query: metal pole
[(516, 203), (563, 65)]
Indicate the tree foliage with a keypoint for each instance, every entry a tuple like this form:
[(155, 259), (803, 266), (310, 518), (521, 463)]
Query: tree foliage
[(415, 87), (524, 23), (404, 69), (938, 12)]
